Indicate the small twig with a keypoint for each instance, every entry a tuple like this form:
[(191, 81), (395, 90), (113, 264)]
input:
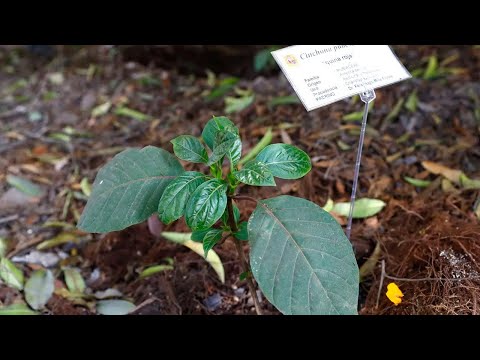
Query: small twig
[(7, 219), (24, 246), (246, 198), (381, 284)]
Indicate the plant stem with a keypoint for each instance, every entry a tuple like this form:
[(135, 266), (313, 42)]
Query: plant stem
[(241, 254), (246, 198)]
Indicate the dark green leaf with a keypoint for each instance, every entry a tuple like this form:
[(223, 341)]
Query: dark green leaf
[(242, 233), (176, 195), (189, 148), (284, 100), (262, 59), (206, 205), (211, 239), (127, 190), (226, 143), (236, 215), (301, 258), (255, 173), (17, 309), (114, 307), (285, 161), (39, 288), (10, 274), (214, 126), (244, 275), (199, 235)]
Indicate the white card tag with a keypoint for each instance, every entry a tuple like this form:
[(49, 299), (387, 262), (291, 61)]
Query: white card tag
[(324, 74)]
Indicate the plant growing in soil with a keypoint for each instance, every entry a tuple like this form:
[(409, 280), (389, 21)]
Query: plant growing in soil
[(299, 254)]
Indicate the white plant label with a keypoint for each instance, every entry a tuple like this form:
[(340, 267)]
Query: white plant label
[(324, 74)]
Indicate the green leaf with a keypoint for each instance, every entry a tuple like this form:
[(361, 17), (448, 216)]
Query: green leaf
[(262, 59), (236, 215), (17, 309), (468, 183), (212, 257), (114, 307), (176, 195), (134, 114), (206, 205), (102, 109), (226, 143), (244, 275), (39, 288), (432, 68), (211, 239), (3, 247), (364, 208), (225, 86), (301, 258), (60, 239), (199, 235), (127, 190), (215, 125), (74, 280), (238, 104), (412, 102), (417, 182), (264, 142), (255, 173), (284, 100), (285, 161), (189, 148), (152, 270), (24, 185), (242, 233), (85, 186), (10, 274)]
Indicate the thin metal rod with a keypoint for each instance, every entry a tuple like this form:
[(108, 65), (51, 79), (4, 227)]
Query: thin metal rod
[(366, 97)]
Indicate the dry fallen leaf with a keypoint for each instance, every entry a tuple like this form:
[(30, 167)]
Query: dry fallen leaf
[(439, 169)]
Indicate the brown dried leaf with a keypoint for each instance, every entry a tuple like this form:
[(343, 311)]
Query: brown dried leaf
[(439, 169)]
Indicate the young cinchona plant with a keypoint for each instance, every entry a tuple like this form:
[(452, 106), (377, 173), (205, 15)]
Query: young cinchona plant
[(299, 254)]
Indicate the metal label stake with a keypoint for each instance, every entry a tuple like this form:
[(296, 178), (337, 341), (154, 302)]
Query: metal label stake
[(367, 97)]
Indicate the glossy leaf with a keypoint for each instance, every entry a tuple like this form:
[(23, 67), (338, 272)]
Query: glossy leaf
[(127, 190), (242, 233), (285, 161), (17, 309), (301, 258), (212, 257), (39, 288), (10, 274), (226, 143), (364, 208), (206, 205), (176, 195), (74, 280), (114, 307), (255, 173), (211, 239), (214, 126), (200, 234), (236, 215), (189, 148)]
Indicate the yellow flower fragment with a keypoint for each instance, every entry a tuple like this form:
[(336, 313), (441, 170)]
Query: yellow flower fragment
[(394, 293)]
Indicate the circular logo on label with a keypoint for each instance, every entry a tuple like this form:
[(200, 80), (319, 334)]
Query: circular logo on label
[(291, 60)]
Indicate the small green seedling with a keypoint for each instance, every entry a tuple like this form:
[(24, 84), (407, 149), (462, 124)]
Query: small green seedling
[(299, 254)]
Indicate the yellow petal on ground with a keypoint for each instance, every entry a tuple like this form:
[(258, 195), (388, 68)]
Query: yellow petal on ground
[(394, 293)]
